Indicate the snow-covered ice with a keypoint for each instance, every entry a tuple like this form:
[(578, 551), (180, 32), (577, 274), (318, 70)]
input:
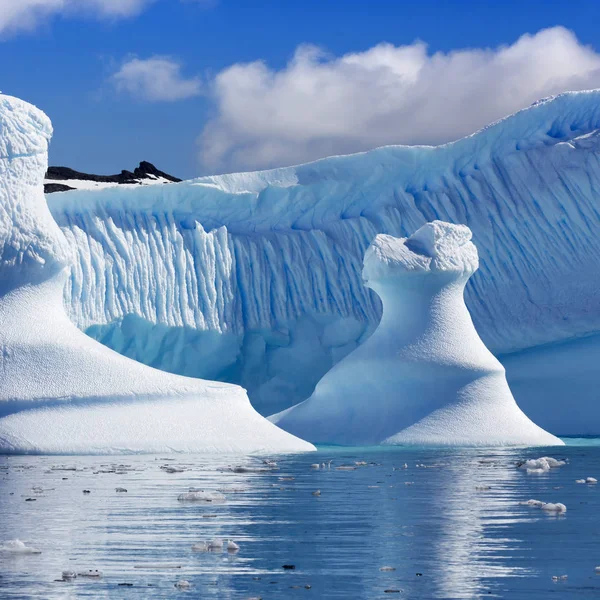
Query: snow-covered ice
[(61, 391), (424, 376), (255, 278)]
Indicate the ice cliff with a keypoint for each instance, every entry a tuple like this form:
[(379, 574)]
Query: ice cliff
[(424, 376), (255, 278), (61, 391)]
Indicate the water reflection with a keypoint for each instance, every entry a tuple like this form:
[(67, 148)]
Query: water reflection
[(448, 526)]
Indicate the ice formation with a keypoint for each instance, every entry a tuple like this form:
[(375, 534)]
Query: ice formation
[(424, 376), (62, 392), (255, 278)]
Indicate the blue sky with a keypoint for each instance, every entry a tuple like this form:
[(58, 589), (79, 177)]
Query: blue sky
[(111, 84)]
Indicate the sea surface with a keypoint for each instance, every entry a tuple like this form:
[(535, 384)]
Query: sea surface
[(449, 524)]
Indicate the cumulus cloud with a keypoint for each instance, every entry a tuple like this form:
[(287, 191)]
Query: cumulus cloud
[(18, 15), (319, 105), (155, 79)]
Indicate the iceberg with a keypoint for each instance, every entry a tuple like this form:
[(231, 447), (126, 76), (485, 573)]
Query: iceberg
[(424, 376), (62, 392), (255, 278)]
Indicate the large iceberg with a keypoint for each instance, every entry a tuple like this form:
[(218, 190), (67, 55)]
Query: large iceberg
[(61, 391), (255, 278), (424, 376)]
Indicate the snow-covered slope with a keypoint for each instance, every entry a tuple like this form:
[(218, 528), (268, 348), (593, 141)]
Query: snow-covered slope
[(61, 391), (424, 376), (255, 277)]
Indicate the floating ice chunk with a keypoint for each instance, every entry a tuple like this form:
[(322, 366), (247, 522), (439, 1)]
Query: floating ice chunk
[(591, 480), (427, 376), (232, 546), (170, 469), (560, 577), (315, 466), (92, 573), (216, 544), (534, 503), (387, 568), (68, 575), (554, 507), (580, 481), (540, 465), (182, 584), (18, 547), (200, 547), (201, 496)]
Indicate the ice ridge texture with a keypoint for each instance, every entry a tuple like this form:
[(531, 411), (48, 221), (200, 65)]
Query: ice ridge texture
[(255, 278)]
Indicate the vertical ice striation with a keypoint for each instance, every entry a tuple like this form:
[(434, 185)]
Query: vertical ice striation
[(424, 376), (61, 391)]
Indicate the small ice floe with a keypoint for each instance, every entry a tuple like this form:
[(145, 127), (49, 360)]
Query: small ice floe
[(315, 466), (540, 465), (91, 573), (591, 480), (360, 463), (387, 568), (200, 547), (346, 468), (215, 544), (171, 469), (270, 463), (597, 570), (533, 503), (182, 584), (316, 493), (120, 490), (18, 547), (552, 507), (240, 469), (202, 496), (580, 481), (232, 546), (560, 577), (286, 478), (69, 575)]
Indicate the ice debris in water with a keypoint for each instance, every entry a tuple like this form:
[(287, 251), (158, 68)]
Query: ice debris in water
[(215, 544), (18, 547), (559, 577), (554, 507), (540, 465), (232, 546), (68, 575), (591, 480), (547, 506), (201, 496), (182, 584), (93, 573)]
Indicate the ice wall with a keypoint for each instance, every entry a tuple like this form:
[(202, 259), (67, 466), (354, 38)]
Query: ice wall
[(255, 277), (424, 376), (61, 391)]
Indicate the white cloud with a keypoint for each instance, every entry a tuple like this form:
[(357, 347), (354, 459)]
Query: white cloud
[(16, 15), (320, 105), (156, 79)]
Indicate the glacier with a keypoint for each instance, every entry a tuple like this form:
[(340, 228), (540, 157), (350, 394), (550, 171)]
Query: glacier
[(424, 376), (62, 392), (255, 278)]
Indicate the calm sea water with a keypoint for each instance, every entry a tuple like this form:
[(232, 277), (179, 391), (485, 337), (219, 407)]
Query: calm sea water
[(431, 522)]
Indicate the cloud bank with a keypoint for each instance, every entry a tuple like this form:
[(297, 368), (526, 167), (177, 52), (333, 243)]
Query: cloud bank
[(319, 105), (155, 79)]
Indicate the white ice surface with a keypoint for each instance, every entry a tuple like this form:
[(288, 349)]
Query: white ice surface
[(61, 391), (255, 278), (424, 376)]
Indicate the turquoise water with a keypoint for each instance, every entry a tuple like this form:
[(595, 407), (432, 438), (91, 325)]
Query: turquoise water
[(436, 524)]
